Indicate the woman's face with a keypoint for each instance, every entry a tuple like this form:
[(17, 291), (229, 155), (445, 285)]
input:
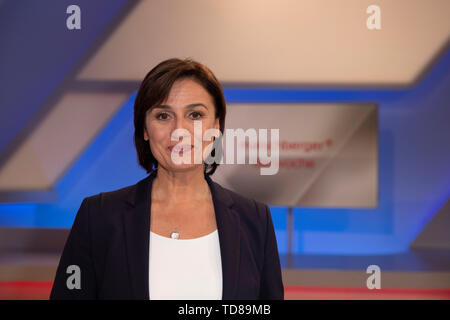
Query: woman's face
[(187, 101)]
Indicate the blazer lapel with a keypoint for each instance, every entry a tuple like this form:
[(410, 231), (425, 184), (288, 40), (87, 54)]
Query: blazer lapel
[(137, 232), (229, 238)]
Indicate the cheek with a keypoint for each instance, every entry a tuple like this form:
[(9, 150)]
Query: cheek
[(157, 135), (204, 129)]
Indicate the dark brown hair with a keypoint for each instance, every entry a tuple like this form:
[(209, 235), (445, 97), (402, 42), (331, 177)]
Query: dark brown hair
[(156, 87)]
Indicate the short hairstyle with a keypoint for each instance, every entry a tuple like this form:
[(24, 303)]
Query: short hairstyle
[(155, 89)]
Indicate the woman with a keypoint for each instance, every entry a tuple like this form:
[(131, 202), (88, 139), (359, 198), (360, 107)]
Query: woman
[(175, 234)]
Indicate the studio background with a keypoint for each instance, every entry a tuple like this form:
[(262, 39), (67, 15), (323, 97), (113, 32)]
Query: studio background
[(66, 108)]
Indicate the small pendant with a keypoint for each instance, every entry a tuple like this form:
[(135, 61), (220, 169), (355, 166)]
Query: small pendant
[(174, 235)]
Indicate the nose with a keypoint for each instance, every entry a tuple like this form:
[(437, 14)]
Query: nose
[(180, 123), (181, 130)]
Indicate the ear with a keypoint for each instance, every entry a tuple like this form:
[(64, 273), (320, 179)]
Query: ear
[(217, 124), (145, 135)]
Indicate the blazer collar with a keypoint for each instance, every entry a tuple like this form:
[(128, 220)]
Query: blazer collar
[(136, 220)]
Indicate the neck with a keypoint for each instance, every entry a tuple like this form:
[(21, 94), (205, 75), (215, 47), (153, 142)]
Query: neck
[(183, 186)]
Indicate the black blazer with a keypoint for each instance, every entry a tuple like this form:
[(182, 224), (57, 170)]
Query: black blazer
[(109, 241)]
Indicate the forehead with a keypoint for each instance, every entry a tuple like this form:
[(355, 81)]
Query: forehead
[(186, 91)]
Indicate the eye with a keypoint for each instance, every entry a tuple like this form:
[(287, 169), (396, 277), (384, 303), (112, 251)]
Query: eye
[(196, 115), (162, 116)]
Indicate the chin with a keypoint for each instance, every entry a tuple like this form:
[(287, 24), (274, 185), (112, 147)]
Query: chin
[(183, 167)]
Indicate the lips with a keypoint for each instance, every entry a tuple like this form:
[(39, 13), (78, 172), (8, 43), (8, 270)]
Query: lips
[(180, 148)]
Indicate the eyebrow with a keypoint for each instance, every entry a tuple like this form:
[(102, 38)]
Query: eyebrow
[(189, 106)]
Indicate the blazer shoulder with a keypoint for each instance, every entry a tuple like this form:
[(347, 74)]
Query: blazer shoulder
[(113, 197), (245, 204)]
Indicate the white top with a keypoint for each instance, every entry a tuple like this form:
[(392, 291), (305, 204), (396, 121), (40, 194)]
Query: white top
[(185, 269)]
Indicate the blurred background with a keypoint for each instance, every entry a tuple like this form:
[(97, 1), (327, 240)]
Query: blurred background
[(375, 81)]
